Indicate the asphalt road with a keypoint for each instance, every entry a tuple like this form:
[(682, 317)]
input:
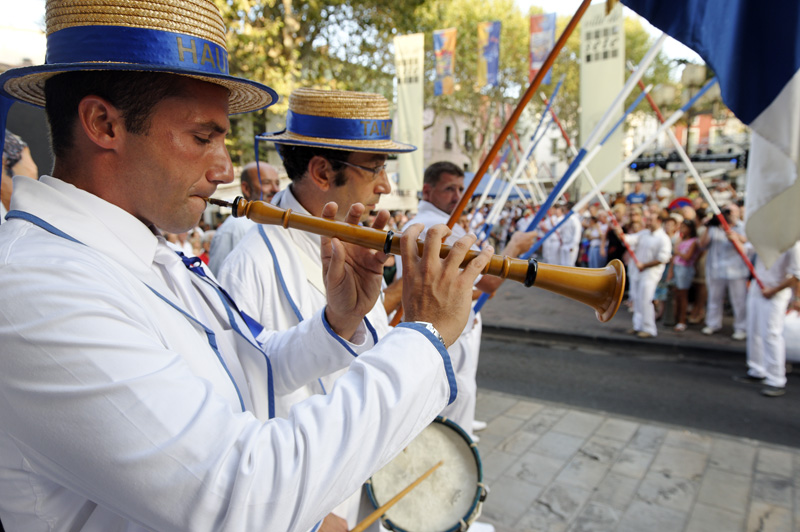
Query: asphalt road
[(689, 390)]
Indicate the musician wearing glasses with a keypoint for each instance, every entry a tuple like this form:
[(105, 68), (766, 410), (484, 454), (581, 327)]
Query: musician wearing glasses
[(334, 148), (134, 393)]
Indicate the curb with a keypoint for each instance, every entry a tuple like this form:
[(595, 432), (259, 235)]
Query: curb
[(661, 344)]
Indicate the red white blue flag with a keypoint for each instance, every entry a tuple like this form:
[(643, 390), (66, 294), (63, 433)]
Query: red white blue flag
[(754, 49)]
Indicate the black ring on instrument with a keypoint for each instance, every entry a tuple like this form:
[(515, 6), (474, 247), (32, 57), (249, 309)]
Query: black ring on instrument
[(387, 244), (533, 269), (236, 206)]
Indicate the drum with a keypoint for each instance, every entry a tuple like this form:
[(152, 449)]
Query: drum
[(447, 501)]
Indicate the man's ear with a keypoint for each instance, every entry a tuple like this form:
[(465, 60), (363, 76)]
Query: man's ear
[(101, 122), (426, 191), (320, 172)]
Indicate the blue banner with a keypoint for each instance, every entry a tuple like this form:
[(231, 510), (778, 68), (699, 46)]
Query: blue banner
[(488, 53)]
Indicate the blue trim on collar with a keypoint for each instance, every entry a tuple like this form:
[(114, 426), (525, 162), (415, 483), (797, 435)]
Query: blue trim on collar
[(285, 289), (35, 220), (448, 366), (278, 272), (211, 337)]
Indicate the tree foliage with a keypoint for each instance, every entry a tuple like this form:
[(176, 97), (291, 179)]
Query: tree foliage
[(347, 44), (336, 44), (482, 108)]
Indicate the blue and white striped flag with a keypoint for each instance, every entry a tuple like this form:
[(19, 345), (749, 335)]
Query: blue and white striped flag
[(754, 48)]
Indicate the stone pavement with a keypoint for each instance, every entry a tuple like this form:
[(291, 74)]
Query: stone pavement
[(556, 469), (553, 468)]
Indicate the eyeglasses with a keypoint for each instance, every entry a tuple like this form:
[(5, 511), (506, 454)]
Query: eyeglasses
[(376, 171)]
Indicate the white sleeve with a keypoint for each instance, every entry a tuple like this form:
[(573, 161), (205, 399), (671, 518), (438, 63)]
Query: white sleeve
[(301, 353), (664, 250), (95, 403)]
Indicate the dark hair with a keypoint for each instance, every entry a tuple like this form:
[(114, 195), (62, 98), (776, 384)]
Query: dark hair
[(434, 172), (691, 226), (135, 94), (296, 158)]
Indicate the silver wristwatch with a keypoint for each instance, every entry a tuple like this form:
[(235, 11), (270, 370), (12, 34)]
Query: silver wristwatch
[(428, 325)]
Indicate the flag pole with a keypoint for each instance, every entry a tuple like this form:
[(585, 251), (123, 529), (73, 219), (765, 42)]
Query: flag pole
[(503, 198), (534, 86), (589, 177), (669, 122), (704, 190), (591, 147)]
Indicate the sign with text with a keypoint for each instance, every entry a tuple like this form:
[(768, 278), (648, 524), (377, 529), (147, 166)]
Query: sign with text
[(602, 59), (409, 57)]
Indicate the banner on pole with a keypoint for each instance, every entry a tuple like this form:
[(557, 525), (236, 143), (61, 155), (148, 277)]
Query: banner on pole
[(488, 53), (444, 49), (602, 77), (543, 38), (409, 61)]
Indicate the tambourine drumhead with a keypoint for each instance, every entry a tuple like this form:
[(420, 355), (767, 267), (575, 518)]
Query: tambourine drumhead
[(450, 496)]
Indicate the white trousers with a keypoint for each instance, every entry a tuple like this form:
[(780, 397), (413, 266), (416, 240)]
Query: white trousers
[(569, 257), (766, 349), (464, 357), (644, 313), (737, 294), (633, 280), (550, 250)]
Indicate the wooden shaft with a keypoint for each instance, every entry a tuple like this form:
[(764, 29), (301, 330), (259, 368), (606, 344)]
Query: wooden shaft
[(374, 516), (600, 288), (534, 86), (368, 237)]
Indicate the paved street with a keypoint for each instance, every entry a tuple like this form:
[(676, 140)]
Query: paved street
[(555, 467), (552, 468)]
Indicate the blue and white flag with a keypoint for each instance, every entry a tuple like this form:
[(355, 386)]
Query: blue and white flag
[(754, 49)]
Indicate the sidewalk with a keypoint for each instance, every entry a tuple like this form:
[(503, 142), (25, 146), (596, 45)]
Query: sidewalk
[(557, 469), (553, 468), (546, 313)]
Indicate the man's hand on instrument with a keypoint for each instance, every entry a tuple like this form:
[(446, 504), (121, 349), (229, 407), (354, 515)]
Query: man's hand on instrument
[(352, 274), (333, 523), (435, 290)]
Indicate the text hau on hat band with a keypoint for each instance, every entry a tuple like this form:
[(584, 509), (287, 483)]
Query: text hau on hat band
[(122, 44), (327, 127)]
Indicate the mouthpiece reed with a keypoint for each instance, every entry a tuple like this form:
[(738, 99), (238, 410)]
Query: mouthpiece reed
[(219, 202)]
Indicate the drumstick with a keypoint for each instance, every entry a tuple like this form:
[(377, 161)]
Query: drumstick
[(374, 516)]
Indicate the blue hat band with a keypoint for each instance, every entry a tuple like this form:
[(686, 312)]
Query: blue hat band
[(122, 44), (327, 127)]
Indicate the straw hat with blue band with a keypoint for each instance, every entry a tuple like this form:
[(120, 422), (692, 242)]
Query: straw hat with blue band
[(183, 37), (338, 120)]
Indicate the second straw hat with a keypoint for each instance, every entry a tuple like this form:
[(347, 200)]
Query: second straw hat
[(339, 120)]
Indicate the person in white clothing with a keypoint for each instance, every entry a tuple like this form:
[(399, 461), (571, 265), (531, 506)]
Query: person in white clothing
[(552, 244), (275, 274), (134, 394), (766, 313), (653, 251), (442, 188), (259, 181), (725, 271), (571, 233)]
